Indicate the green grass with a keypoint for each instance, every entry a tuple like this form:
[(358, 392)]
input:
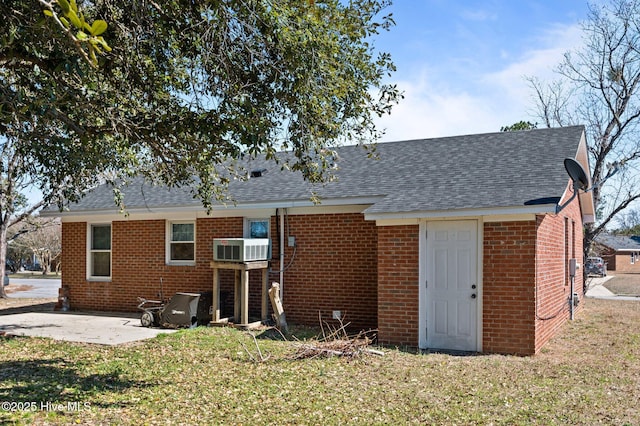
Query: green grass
[(589, 374)]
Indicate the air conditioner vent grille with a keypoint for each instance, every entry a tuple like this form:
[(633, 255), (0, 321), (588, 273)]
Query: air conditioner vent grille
[(240, 249)]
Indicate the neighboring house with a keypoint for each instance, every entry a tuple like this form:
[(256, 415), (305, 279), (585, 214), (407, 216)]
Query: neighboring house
[(620, 252), (451, 243)]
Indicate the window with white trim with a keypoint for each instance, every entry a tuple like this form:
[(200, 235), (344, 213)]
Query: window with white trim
[(256, 228), (181, 243), (100, 251)]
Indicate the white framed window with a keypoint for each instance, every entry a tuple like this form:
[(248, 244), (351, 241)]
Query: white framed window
[(256, 228), (99, 252), (181, 243)]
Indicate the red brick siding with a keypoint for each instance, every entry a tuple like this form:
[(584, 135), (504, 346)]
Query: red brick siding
[(621, 263), (398, 279), (74, 256), (553, 283), (345, 263), (508, 287), (138, 264), (335, 268)]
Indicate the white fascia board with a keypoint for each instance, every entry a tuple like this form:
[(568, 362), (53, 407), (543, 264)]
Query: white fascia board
[(338, 205), (491, 214)]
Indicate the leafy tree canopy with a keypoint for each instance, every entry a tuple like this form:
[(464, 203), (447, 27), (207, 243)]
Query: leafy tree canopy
[(520, 125), (186, 87), (176, 90)]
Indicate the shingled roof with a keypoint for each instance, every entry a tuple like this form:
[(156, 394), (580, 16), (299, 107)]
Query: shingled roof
[(506, 170), (619, 242)]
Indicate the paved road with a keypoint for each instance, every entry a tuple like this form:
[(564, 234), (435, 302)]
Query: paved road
[(41, 288)]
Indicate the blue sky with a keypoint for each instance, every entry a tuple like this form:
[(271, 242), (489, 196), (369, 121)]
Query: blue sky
[(461, 64)]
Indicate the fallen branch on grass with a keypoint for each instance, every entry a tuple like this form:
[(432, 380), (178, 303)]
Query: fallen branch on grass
[(337, 342)]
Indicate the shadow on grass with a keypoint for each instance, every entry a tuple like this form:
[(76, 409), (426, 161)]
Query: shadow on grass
[(56, 381)]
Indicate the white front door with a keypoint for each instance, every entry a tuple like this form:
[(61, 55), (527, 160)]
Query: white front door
[(452, 285)]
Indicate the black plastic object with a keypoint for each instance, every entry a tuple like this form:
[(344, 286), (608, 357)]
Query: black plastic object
[(181, 311), (577, 173)]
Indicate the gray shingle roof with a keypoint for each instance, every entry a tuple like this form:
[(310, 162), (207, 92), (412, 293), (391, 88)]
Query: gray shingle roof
[(619, 242), (505, 169)]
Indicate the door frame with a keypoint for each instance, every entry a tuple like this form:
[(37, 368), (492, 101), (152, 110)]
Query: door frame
[(422, 293)]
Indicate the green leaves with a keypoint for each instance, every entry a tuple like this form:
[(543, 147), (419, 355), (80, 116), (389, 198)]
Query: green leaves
[(88, 38), (192, 86), (98, 27), (66, 7)]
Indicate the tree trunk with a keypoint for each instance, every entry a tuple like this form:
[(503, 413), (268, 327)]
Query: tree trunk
[(3, 257)]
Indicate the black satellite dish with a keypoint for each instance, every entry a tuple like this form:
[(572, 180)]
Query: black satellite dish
[(577, 174)]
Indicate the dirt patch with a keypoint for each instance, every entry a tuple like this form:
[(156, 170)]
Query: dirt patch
[(624, 285), (12, 288), (10, 305)]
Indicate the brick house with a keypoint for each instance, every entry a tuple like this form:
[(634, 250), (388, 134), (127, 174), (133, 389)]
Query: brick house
[(620, 252), (454, 243)]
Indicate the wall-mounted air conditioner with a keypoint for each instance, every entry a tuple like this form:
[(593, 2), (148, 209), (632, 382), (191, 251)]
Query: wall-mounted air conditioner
[(240, 249)]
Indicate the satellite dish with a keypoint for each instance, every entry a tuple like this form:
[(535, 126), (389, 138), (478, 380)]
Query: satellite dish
[(577, 173)]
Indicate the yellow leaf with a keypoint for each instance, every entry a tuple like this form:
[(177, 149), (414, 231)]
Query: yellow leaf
[(74, 19), (47, 12), (98, 27), (64, 5)]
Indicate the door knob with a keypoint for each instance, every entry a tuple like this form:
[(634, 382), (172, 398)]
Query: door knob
[(473, 286), (473, 296)]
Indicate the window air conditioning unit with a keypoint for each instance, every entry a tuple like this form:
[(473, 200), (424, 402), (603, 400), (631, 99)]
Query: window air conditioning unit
[(240, 249)]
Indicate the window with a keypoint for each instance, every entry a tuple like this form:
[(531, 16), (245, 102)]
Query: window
[(100, 251), (257, 228), (182, 242)]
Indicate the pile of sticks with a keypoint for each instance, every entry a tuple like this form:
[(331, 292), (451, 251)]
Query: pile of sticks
[(336, 342)]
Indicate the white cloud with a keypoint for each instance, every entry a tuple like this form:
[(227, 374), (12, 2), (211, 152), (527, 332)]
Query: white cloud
[(436, 106), (427, 112), (538, 62), (480, 15)]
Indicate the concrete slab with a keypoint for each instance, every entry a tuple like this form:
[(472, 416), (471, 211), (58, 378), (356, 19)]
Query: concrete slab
[(596, 290), (104, 329)]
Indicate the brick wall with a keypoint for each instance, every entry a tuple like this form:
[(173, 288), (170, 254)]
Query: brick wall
[(138, 264), (335, 267), (73, 259), (398, 278), (508, 287), (560, 238), (621, 263), (343, 263)]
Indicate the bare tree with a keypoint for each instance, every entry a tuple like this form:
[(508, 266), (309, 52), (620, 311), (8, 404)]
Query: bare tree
[(599, 87), (44, 239), (629, 223)]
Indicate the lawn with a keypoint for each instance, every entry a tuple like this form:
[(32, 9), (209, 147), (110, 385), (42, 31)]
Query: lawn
[(624, 284), (588, 374)]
